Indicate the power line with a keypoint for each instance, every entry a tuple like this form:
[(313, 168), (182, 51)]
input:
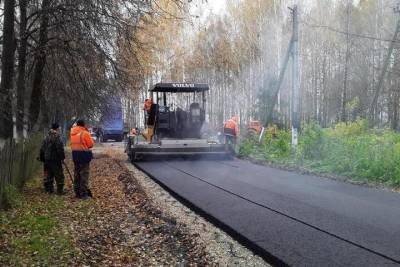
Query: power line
[(349, 33)]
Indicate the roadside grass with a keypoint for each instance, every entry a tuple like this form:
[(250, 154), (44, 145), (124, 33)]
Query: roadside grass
[(352, 150), (10, 196), (118, 227), (30, 233)]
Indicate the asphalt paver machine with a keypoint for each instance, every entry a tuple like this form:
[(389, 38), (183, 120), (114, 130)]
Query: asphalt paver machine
[(174, 124)]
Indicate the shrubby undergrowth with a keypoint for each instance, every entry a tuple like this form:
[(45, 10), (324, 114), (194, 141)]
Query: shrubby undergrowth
[(351, 149)]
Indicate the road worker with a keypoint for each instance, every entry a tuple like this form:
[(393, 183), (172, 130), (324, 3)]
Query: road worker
[(81, 143), (98, 134), (131, 138), (148, 102), (231, 131), (52, 155)]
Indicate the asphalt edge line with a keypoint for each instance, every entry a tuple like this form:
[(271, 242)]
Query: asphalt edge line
[(290, 217), (259, 251)]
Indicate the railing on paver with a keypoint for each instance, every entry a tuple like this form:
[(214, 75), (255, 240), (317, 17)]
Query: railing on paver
[(17, 164)]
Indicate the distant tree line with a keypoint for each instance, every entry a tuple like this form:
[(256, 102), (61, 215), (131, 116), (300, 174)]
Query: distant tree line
[(349, 56)]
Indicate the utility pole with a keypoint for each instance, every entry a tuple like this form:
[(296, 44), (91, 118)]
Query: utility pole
[(343, 116), (292, 52), (295, 77), (374, 103)]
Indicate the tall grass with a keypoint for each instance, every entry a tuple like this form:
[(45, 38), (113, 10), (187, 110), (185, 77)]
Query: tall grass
[(351, 149)]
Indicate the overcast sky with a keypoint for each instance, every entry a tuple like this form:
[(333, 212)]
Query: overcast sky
[(217, 5)]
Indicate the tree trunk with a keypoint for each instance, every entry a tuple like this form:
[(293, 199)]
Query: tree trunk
[(7, 71), (40, 59), (22, 49)]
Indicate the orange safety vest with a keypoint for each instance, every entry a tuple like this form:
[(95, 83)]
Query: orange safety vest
[(231, 124), (81, 139)]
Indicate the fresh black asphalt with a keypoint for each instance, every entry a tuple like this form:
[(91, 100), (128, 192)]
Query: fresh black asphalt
[(298, 219)]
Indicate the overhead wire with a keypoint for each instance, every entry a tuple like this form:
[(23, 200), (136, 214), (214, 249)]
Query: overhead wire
[(330, 28)]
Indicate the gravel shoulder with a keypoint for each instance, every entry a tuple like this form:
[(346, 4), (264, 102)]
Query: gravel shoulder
[(219, 247)]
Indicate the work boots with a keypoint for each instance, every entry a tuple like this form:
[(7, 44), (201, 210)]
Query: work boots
[(48, 188), (60, 190)]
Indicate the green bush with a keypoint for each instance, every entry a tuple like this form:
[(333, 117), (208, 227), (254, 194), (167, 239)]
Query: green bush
[(247, 147), (278, 147), (356, 151), (270, 148), (351, 149), (311, 143)]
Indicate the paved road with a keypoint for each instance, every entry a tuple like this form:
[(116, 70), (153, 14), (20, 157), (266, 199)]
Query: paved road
[(291, 219)]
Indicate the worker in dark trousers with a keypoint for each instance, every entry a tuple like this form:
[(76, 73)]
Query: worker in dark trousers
[(81, 143), (231, 132), (98, 135), (52, 154)]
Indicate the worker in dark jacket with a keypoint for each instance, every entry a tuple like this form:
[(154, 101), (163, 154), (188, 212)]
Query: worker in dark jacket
[(81, 143), (52, 154)]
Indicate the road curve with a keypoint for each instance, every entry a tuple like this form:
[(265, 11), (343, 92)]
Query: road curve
[(289, 219)]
